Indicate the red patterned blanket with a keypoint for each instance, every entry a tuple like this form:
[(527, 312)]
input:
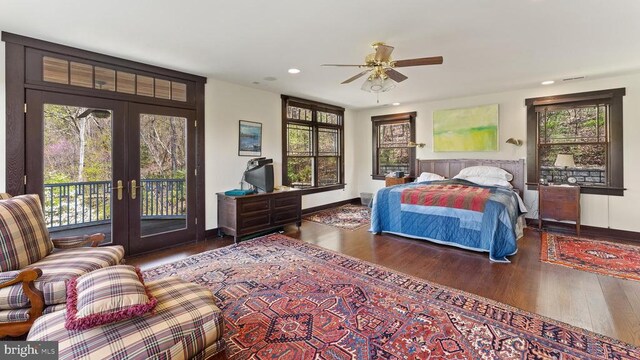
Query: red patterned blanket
[(450, 195)]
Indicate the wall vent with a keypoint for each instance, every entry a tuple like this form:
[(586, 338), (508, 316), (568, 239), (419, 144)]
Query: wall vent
[(573, 78)]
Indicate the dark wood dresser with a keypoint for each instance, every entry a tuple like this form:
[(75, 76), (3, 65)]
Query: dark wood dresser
[(559, 203), (244, 215)]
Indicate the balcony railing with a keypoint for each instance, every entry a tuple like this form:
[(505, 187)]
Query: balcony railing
[(88, 203)]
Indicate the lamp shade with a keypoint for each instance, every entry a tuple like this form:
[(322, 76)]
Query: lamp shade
[(565, 160), (378, 84)]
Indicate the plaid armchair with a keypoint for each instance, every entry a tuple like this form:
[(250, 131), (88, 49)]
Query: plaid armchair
[(34, 268)]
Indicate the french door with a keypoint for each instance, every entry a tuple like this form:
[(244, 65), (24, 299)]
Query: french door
[(161, 172), (116, 167)]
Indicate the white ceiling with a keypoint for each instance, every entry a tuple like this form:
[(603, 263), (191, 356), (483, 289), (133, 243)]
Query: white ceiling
[(488, 45)]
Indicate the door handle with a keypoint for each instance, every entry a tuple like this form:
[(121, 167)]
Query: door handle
[(134, 190), (119, 188)]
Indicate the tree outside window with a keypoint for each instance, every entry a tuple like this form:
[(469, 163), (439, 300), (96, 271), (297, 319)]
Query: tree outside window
[(312, 144), (391, 136), (587, 126)]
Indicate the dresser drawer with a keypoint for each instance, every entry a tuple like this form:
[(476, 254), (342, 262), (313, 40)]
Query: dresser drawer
[(285, 216), (559, 194), (253, 220), (560, 203), (248, 206), (285, 201), (559, 211)]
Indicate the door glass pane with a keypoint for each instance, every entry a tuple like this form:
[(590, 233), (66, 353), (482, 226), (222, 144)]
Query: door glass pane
[(163, 169), (77, 170)]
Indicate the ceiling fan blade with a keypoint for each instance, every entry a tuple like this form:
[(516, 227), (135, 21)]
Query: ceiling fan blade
[(350, 65), (395, 76), (355, 77), (434, 60), (383, 53)]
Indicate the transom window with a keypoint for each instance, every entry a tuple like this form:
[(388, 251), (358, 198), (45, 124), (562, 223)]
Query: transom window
[(391, 150), (313, 144), (578, 136)]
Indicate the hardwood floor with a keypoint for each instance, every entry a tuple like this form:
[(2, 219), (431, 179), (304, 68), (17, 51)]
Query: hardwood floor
[(599, 303)]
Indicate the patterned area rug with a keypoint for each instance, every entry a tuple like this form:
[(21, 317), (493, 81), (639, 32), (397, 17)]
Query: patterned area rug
[(285, 299), (348, 217), (596, 256)]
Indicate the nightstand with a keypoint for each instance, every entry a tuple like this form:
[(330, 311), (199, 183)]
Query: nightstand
[(559, 203), (390, 181)]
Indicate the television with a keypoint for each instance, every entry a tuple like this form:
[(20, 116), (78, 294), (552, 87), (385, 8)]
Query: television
[(259, 174)]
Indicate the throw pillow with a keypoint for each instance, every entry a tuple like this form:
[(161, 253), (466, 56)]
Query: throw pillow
[(24, 238), (107, 295)]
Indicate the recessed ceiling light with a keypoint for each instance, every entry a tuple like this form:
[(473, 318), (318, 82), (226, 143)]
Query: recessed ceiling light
[(294, 71), (270, 78), (256, 82), (548, 82), (395, 104)]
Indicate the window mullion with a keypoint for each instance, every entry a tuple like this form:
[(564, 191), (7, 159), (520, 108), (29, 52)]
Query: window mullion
[(315, 163)]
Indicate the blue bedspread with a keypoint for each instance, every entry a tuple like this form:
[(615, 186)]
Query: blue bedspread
[(492, 231)]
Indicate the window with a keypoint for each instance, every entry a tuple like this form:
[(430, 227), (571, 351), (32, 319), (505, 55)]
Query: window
[(66, 72), (391, 150), (312, 144), (586, 129)]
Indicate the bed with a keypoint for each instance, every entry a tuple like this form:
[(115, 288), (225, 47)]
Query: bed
[(455, 212)]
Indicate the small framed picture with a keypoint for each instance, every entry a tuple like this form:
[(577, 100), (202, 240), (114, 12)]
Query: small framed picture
[(250, 139)]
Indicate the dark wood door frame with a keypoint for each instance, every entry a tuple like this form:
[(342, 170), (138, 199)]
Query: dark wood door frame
[(137, 242), (34, 149), (18, 70)]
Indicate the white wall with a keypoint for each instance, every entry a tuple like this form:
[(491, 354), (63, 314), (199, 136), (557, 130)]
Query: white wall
[(225, 105), (597, 210)]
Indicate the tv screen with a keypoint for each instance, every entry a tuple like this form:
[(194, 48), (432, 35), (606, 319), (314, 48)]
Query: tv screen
[(261, 177)]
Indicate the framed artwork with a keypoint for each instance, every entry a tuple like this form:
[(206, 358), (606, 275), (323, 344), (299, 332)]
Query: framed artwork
[(250, 141), (468, 129)]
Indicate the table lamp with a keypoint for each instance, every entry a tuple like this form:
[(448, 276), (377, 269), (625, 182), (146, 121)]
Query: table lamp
[(564, 161)]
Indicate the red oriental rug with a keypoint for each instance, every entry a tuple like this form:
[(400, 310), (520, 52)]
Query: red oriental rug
[(285, 299), (348, 216), (600, 257)]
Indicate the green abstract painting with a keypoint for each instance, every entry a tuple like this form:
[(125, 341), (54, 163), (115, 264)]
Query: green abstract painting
[(468, 129)]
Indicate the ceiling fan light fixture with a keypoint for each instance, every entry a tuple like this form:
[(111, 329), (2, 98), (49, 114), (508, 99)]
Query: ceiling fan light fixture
[(378, 85)]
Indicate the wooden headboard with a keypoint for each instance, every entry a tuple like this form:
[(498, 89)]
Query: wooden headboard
[(451, 167)]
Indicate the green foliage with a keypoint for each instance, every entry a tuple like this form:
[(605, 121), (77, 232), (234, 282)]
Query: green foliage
[(57, 178), (570, 129), (78, 148), (299, 170)]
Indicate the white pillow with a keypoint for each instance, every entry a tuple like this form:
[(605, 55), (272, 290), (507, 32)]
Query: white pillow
[(487, 181), (485, 171), (427, 176)]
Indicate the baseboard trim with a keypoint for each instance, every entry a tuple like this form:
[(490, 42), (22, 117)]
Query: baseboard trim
[(593, 231), (211, 233), (308, 211)]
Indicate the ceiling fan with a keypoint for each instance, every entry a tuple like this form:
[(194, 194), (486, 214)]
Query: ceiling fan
[(381, 69)]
